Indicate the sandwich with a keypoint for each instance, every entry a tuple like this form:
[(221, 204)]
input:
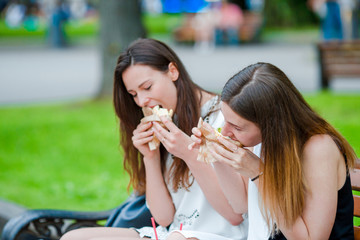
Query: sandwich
[(153, 114), (209, 135)]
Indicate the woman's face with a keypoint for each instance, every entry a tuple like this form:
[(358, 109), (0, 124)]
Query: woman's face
[(151, 87), (238, 128)]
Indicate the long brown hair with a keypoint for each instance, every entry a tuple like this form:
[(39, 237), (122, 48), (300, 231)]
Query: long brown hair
[(262, 93), (157, 55)]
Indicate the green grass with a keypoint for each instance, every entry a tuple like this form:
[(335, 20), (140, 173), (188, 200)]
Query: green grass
[(72, 28), (162, 23), (67, 155), (84, 32), (155, 24), (342, 111)]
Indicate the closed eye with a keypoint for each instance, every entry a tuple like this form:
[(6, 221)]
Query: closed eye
[(237, 128), (148, 88)]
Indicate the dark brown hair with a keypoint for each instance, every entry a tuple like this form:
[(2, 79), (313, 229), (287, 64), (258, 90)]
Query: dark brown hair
[(262, 93), (157, 55)]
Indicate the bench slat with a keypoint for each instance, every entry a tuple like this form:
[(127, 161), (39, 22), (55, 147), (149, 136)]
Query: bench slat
[(356, 232), (339, 59), (356, 206)]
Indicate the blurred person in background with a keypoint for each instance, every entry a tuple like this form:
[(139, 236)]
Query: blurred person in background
[(58, 18), (330, 15), (14, 14), (229, 18), (204, 26)]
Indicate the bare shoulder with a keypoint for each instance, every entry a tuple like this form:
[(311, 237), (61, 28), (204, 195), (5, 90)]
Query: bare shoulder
[(206, 96), (322, 149)]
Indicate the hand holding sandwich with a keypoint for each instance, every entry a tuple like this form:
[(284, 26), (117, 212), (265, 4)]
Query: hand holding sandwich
[(174, 140), (142, 135), (164, 131), (224, 150)]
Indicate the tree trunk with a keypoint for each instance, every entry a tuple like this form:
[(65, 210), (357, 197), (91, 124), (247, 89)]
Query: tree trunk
[(120, 24)]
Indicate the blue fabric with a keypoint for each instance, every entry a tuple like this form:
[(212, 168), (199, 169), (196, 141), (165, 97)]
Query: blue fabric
[(332, 25), (132, 213), (226, 36), (179, 6)]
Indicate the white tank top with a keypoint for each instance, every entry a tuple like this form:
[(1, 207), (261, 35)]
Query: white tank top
[(193, 210), (258, 229)]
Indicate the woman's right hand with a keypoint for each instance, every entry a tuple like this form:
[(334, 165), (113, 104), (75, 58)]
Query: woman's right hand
[(196, 138), (142, 135)]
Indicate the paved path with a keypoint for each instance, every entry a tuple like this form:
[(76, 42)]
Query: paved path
[(37, 74)]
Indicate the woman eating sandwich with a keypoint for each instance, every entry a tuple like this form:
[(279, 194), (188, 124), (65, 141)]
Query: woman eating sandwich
[(179, 189)]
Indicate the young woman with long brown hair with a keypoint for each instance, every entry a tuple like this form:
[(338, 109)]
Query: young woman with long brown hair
[(179, 189), (301, 179)]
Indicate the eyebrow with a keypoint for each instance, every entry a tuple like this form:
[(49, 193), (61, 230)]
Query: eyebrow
[(140, 85), (233, 125)]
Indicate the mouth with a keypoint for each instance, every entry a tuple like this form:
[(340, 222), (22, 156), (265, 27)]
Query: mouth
[(152, 106)]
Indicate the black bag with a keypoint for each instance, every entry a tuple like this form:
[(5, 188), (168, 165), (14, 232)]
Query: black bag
[(132, 213)]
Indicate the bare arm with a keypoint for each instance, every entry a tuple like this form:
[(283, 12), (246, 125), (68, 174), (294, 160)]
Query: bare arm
[(233, 185), (176, 142), (157, 194), (325, 173)]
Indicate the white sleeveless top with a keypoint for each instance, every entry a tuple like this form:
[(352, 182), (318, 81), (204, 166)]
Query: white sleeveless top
[(193, 210), (258, 229)]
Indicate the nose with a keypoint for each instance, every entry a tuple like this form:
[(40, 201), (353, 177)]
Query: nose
[(226, 130), (143, 100)]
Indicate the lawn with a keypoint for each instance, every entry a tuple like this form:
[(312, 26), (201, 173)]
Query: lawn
[(87, 28), (67, 155), (64, 156)]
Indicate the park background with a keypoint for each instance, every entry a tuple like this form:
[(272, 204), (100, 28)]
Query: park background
[(60, 146)]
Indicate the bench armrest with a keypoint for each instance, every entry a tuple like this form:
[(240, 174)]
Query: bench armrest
[(50, 224)]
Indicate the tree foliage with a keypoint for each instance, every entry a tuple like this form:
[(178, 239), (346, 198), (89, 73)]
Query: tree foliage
[(288, 13)]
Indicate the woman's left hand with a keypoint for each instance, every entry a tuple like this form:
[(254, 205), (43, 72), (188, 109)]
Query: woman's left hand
[(174, 140), (242, 160)]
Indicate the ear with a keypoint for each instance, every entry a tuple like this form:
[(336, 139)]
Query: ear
[(173, 71)]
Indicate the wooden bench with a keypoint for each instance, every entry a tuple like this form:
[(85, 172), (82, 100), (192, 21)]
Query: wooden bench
[(355, 183), (338, 59), (51, 224)]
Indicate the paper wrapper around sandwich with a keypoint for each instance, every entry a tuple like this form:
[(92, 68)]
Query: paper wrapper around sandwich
[(153, 114), (209, 135)]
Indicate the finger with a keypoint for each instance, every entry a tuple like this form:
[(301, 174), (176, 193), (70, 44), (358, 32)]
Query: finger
[(196, 139), (141, 135), (160, 132), (228, 144), (228, 155), (221, 150), (192, 146), (213, 151), (142, 127), (207, 125), (142, 141), (196, 131), (169, 124)]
